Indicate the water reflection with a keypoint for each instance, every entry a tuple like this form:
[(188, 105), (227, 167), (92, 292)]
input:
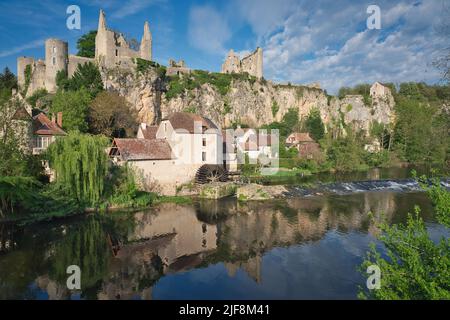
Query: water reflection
[(171, 251)]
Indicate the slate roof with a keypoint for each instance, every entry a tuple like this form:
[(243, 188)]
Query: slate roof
[(184, 120), (142, 149), (300, 137), (149, 132)]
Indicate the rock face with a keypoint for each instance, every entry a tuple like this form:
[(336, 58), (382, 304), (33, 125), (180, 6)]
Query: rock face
[(253, 103), (253, 191), (142, 90)]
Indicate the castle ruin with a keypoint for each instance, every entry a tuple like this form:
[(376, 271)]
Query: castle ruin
[(111, 49), (252, 63)]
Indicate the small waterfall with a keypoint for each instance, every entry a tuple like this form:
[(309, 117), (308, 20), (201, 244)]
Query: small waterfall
[(343, 188)]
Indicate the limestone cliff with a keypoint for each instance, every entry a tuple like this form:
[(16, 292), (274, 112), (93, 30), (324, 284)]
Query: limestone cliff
[(244, 101)]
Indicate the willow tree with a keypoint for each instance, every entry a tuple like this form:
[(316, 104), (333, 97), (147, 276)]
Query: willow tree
[(81, 165)]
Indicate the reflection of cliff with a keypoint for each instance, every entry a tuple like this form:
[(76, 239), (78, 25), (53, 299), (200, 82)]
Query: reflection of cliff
[(172, 238), (253, 228)]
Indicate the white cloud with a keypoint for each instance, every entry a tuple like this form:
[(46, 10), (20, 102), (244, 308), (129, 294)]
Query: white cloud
[(130, 7), (208, 30), (18, 49), (327, 41)]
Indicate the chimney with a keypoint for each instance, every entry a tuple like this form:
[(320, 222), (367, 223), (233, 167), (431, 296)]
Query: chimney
[(59, 119)]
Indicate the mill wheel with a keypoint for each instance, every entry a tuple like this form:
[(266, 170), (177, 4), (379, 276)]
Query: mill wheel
[(211, 173)]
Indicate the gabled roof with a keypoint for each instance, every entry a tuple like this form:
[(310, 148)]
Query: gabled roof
[(184, 120), (261, 141), (141, 149), (42, 125), (149, 132), (21, 114), (301, 137)]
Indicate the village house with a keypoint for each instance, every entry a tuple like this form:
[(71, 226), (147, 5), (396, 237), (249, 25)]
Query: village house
[(183, 148), (306, 146), (244, 142), (38, 132)]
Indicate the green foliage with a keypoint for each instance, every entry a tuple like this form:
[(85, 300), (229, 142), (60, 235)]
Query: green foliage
[(345, 153), (416, 267), (74, 105), (275, 108), (143, 65), (81, 165), (314, 124), (124, 190), (421, 130), (86, 76), (14, 192), (62, 82), (27, 74), (86, 44), (360, 89), (8, 80), (221, 81), (112, 116), (37, 96)]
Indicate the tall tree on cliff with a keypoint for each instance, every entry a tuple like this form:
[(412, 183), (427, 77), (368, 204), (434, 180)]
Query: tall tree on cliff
[(86, 44)]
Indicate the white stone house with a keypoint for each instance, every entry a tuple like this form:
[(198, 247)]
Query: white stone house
[(173, 153)]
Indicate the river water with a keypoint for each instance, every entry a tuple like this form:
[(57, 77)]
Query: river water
[(306, 246)]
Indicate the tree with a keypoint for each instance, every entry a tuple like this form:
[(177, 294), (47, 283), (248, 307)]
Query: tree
[(86, 44), (74, 105), (81, 165), (421, 129), (86, 76), (415, 267), (112, 116), (14, 161), (314, 124), (8, 80)]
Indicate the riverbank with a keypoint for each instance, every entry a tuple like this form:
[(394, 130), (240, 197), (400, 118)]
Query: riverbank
[(266, 188)]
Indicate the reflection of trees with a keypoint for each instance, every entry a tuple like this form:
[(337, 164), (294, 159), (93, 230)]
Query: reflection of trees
[(87, 247), (124, 255)]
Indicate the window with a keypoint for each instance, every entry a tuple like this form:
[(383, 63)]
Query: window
[(43, 142), (117, 53), (204, 142), (54, 60), (54, 49), (203, 156)]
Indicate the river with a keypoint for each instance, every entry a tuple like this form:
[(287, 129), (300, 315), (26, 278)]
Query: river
[(306, 246)]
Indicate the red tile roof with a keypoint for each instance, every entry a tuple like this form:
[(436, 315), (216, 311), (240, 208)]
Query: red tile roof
[(184, 120), (42, 125), (149, 132), (142, 149), (300, 137)]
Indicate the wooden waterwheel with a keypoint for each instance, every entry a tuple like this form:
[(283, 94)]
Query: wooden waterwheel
[(209, 173)]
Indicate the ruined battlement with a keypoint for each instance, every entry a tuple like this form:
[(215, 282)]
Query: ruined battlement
[(111, 49), (252, 63)]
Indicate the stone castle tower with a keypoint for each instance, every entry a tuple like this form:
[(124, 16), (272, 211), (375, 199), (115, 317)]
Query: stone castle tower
[(111, 49), (252, 63)]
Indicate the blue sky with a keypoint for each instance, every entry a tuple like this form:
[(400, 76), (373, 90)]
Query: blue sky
[(303, 41)]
